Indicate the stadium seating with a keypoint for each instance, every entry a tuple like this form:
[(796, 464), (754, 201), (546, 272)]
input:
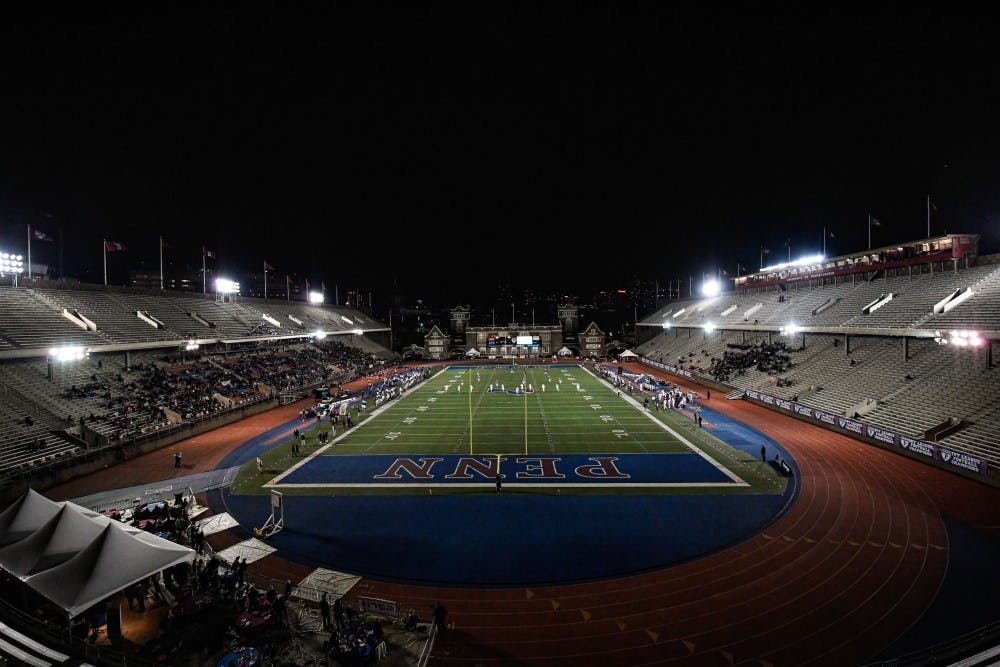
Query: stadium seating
[(162, 383), (934, 384)]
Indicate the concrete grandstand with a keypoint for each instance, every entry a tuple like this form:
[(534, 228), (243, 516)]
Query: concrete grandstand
[(894, 345)]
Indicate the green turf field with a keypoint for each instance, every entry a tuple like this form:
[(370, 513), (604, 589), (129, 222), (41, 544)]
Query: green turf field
[(576, 413)]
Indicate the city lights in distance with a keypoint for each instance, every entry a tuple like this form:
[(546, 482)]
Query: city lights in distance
[(315, 297), (711, 288)]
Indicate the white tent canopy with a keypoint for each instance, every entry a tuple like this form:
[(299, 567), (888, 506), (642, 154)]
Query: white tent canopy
[(565, 352), (76, 557), (473, 352), (628, 354)]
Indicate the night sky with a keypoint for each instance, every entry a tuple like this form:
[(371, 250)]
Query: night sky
[(570, 146)]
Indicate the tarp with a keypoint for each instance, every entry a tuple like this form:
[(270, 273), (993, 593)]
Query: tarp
[(76, 557), (628, 354)]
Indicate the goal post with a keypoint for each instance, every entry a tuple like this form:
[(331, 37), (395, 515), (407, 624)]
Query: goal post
[(276, 522)]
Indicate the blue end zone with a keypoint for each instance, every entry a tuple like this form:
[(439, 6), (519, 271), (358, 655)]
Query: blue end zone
[(682, 468)]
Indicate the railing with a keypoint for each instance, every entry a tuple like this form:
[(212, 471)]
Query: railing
[(948, 650)]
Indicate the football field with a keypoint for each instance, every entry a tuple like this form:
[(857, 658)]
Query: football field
[(539, 427)]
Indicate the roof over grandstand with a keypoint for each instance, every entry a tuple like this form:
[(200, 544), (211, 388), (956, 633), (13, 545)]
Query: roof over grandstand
[(75, 557)]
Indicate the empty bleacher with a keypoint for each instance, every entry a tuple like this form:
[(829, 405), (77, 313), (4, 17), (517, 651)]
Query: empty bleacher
[(933, 384)]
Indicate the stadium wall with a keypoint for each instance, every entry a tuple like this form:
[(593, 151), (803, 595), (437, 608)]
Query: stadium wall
[(921, 451)]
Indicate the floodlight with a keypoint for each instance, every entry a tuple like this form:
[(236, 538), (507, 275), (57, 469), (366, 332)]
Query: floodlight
[(68, 353), (801, 261), (961, 338), (666, 325), (319, 335), (790, 330), (711, 288), (11, 263), (357, 332), (966, 338), (226, 286), (709, 327), (191, 345), (315, 297)]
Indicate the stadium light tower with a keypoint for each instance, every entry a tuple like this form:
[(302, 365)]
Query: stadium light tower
[(13, 264)]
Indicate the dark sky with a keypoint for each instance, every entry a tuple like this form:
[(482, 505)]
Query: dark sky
[(569, 145)]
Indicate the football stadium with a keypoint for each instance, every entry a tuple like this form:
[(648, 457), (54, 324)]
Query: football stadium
[(800, 468)]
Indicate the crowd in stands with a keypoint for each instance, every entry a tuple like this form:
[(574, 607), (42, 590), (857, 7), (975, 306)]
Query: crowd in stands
[(770, 358), (151, 396)]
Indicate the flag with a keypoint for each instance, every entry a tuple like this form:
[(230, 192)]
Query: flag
[(931, 204), (209, 254), (766, 251), (830, 235), (268, 267), (39, 235), (288, 279), (788, 242), (164, 244), (724, 272), (114, 246), (875, 222), (322, 286)]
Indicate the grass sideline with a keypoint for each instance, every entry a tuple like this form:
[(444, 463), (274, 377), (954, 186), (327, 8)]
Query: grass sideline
[(585, 415)]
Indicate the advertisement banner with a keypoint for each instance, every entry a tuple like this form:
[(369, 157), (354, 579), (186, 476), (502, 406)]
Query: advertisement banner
[(850, 425), (961, 460), (881, 434), (916, 446)]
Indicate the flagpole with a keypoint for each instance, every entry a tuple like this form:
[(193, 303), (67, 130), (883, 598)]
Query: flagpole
[(29, 252), (928, 216), (265, 280), (161, 263), (288, 288), (824, 241), (204, 274), (104, 247), (869, 230), (788, 243)]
